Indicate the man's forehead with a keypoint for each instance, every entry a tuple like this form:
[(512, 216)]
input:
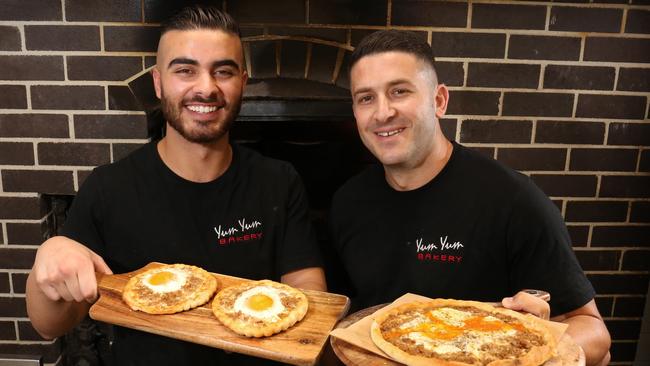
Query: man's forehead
[(387, 67), (178, 42)]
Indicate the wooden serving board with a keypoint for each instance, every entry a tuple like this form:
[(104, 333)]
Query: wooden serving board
[(569, 353), (298, 345)]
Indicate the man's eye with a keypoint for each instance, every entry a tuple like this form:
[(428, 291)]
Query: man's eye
[(400, 92), (184, 71), (364, 99), (224, 73)]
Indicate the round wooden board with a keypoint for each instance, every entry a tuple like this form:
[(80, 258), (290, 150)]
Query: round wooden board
[(569, 353)]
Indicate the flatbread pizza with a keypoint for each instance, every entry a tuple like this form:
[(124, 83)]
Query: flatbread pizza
[(459, 333), (259, 308), (169, 289)]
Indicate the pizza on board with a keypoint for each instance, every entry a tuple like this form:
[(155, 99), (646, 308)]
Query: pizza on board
[(169, 289), (259, 308), (459, 333)]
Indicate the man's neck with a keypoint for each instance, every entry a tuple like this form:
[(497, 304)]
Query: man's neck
[(410, 178), (195, 162)]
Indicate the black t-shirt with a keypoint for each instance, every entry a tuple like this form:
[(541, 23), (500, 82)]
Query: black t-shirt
[(251, 222), (477, 231)]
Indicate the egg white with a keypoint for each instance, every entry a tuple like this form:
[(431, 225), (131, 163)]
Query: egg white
[(175, 284), (269, 314)]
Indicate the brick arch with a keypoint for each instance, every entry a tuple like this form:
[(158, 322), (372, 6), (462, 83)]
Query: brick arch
[(276, 56)]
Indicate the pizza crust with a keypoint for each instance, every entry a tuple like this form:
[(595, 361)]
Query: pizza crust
[(230, 307), (536, 355), (188, 287)]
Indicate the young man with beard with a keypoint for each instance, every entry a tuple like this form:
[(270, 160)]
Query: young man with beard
[(440, 220), (192, 197)]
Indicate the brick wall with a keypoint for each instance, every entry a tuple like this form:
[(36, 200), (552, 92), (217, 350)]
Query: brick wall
[(557, 90)]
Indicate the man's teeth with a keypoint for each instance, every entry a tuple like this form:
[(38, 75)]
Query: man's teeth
[(390, 133), (202, 108)]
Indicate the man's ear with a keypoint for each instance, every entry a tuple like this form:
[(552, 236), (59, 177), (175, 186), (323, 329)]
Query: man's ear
[(244, 77), (155, 74), (441, 100)]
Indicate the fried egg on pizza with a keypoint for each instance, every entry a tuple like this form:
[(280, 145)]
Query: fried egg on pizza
[(446, 332), (259, 308), (169, 289)]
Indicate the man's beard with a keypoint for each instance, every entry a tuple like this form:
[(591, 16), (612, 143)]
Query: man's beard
[(203, 131)]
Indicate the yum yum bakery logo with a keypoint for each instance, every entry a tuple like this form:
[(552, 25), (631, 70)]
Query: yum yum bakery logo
[(244, 230), (440, 251)]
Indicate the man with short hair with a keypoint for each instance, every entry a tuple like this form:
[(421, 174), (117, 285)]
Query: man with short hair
[(192, 197), (440, 220)]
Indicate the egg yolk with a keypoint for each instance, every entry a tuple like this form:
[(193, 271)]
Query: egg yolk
[(259, 302), (161, 278)]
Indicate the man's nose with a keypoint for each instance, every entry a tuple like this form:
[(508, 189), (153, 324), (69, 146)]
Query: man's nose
[(385, 110), (207, 86)]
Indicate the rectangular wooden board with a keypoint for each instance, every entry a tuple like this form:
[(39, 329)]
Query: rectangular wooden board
[(298, 345)]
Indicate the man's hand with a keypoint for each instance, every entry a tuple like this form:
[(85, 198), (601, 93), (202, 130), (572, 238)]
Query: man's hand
[(65, 270), (528, 303)]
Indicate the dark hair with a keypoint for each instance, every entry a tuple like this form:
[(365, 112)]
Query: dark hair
[(201, 17), (393, 40)]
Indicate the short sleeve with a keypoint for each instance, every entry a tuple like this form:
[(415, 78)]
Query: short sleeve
[(299, 248), (540, 254), (83, 221)]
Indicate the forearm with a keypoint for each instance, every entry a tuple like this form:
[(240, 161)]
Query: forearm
[(312, 278), (592, 335), (52, 318)]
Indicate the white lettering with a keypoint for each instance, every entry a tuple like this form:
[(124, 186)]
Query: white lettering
[(422, 248), (247, 226), (221, 233), (444, 245)]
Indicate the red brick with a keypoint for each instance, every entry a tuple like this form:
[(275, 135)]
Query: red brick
[(495, 131), (103, 11), (12, 307), (131, 38), (633, 79), (68, 97), (619, 283), (34, 125), (567, 132), (596, 211), (537, 104), (430, 13), (533, 158), (629, 134), (630, 307), (13, 97), (110, 126), (31, 67), (111, 68), (566, 185), (476, 45), (621, 236), (580, 19), (469, 102), (26, 233), (640, 212), (22, 208), (19, 282), (598, 260), (579, 235), (623, 328), (603, 159), (544, 48), (320, 12), (503, 75), (16, 153), (87, 154), (450, 73), (41, 181), (579, 77), (638, 21), (5, 287), (7, 330), (9, 38), (617, 49), (636, 260), (506, 16), (625, 186), (16, 258), (120, 98), (611, 106), (30, 10), (62, 37)]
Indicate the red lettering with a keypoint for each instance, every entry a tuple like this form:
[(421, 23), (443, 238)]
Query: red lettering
[(436, 257), (458, 259), (222, 241), (231, 239), (443, 258), (247, 237), (427, 256), (421, 256), (451, 258)]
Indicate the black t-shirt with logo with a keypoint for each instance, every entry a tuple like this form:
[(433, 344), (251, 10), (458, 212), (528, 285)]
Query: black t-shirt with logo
[(477, 231), (251, 222)]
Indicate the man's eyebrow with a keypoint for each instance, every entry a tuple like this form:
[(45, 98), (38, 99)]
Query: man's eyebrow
[(226, 62), (390, 83), (182, 61)]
